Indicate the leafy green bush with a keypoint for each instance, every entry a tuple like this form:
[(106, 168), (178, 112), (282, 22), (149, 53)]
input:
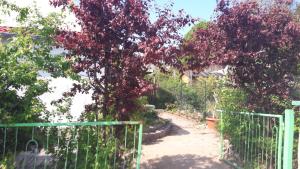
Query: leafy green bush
[(231, 99), (228, 100), (171, 106), (173, 94), (146, 113), (161, 98), (150, 117), (242, 130)]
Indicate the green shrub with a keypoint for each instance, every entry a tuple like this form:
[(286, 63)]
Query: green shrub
[(173, 94), (231, 99), (150, 117), (238, 128), (171, 106), (228, 100), (146, 113), (7, 161), (161, 98)]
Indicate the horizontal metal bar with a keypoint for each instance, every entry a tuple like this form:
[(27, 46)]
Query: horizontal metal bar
[(259, 114), (295, 103), (103, 123)]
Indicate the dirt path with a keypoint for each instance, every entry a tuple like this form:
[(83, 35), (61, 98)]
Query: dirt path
[(187, 147)]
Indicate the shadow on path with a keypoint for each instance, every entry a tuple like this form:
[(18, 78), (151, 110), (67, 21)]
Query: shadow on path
[(174, 131), (178, 131), (188, 161), (186, 147)]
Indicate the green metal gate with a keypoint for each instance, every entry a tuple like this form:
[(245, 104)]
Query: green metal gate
[(83, 145), (257, 140)]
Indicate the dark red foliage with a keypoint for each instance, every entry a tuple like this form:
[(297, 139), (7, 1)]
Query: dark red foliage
[(261, 45), (115, 47)]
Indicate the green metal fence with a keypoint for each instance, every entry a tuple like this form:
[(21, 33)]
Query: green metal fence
[(257, 140), (83, 145)]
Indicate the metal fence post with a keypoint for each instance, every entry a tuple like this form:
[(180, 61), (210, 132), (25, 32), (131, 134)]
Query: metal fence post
[(288, 139), (296, 104), (280, 143), (138, 160)]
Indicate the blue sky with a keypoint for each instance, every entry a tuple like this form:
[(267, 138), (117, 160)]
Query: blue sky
[(202, 9)]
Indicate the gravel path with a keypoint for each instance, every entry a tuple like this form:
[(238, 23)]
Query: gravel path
[(187, 147)]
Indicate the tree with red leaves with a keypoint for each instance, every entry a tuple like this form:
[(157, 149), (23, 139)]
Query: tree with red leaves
[(115, 47), (260, 44)]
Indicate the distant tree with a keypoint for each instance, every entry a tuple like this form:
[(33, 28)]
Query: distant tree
[(7, 8), (114, 48), (297, 11), (199, 25), (267, 3), (261, 46)]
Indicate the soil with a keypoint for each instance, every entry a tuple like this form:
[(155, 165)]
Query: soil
[(189, 146)]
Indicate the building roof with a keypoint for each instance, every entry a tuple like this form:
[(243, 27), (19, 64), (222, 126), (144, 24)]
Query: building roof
[(4, 29), (5, 32)]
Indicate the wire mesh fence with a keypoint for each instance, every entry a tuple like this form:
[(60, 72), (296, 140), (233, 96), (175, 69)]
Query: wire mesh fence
[(87, 145), (256, 140)]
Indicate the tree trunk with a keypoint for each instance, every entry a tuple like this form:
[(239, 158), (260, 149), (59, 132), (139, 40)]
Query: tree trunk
[(106, 87)]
